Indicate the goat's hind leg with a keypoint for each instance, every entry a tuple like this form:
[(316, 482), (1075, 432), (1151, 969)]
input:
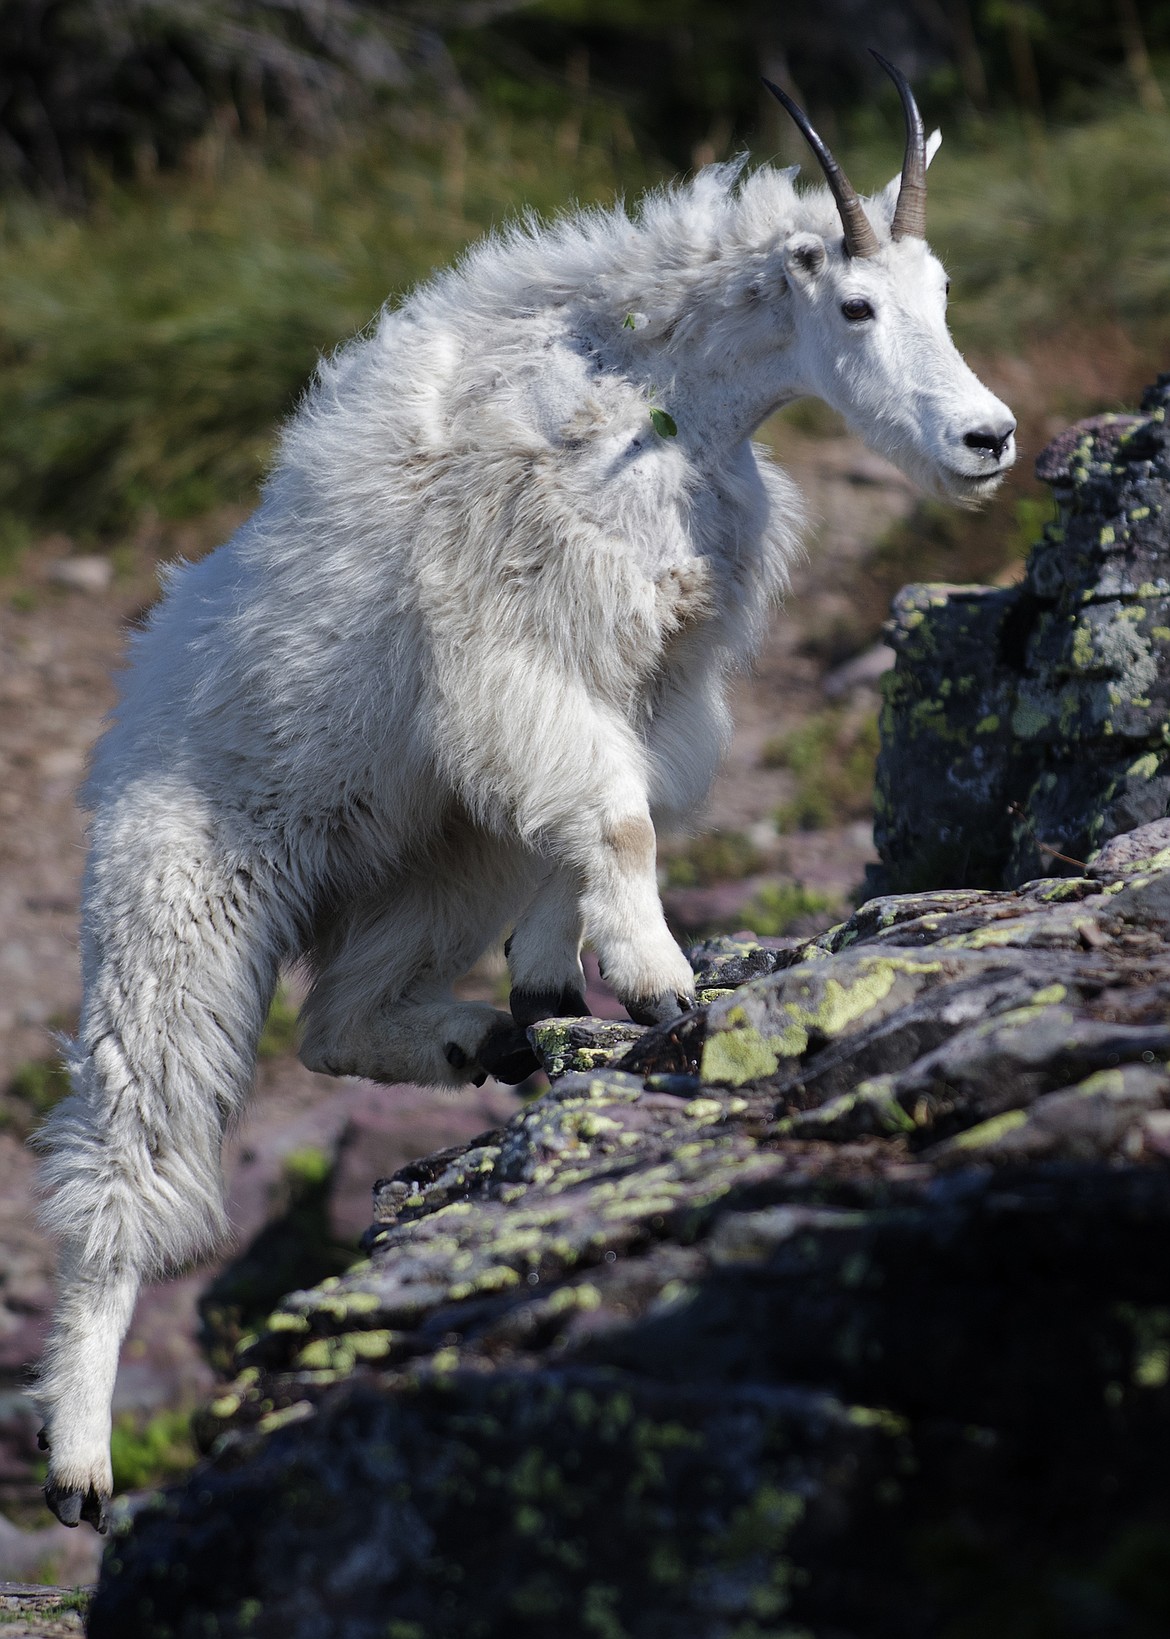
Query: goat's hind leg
[(94, 1309), (181, 952), (544, 952), (381, 1005)]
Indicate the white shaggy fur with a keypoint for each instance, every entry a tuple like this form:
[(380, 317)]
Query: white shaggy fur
[(474, 643)]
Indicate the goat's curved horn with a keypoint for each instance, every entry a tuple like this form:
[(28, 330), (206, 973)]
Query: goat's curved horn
[(860, 239), (910, 212)]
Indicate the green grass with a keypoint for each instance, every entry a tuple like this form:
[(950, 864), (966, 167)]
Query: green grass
[(148, 351), (716, 856), (151, 1451), (832, 758), (783, 907), (280, 1033), (1058, 234), (35, 1087), (306, 1170)]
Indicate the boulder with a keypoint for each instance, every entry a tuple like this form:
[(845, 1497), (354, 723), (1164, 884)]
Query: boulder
[(838, 1307), (1023, 727)]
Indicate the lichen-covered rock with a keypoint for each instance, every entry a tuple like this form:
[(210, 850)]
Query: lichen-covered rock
[(947, 751), (839, 1307), (1031, 722), (727, 960), (582, 1044)]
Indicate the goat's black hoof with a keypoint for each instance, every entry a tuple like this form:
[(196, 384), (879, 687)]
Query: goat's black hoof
[(95, 1510), (505, 1054), (658, 1009), (65, 1504), (71, 1507), (459, 1060), (530, 1006)]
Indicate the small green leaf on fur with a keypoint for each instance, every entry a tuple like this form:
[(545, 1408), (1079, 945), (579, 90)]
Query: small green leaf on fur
[(664, 422)]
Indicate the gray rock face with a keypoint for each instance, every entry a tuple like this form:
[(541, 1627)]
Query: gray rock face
[(839, 1307), (1030, 722)]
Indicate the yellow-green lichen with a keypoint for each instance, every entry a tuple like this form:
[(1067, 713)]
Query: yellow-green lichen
[(1083, 650), (738, 1051), (327, 1354), (1144, 768), (990, 1132), (1152, 1367), (890, 1422), (298, 1412), (872, 1104), (1061, 888), (495, 1278), (1029, 719), (281, 1321), (739, 1055), (1050, 993), (361, 1303), (993, 937), (704, 1109), (1107, 1083)]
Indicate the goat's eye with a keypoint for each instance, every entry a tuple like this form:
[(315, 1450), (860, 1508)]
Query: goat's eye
[(948, 288), (856, 309)]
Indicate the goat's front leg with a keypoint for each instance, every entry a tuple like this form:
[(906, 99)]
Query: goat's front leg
[(553, 762), (604, 839), (623, 917)]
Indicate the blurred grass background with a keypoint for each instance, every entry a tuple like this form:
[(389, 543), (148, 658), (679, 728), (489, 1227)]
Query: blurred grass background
[(150, 343), (198, 199)]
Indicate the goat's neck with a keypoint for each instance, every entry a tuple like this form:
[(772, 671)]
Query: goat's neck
[(723, 404), (717, 392)]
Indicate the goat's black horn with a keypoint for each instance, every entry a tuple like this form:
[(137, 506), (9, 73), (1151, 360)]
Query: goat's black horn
[(860, 239), (909, 220)]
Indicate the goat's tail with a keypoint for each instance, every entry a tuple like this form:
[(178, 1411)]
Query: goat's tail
[(180, 950)]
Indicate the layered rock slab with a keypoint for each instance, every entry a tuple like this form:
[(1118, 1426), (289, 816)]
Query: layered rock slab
[(838, 1307)]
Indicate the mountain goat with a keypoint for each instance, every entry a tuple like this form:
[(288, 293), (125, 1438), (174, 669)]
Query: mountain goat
[(475, 642)]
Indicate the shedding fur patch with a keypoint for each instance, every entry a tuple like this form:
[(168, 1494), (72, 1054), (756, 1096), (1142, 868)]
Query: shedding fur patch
[(632, 842)]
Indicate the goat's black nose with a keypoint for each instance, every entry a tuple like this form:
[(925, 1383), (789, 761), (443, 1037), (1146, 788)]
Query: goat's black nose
[(992, 439)]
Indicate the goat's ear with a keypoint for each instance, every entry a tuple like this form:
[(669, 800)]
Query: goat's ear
[(888, 198), (804, 257)]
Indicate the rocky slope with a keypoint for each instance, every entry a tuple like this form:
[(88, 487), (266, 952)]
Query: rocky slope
[(841, 1308)]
